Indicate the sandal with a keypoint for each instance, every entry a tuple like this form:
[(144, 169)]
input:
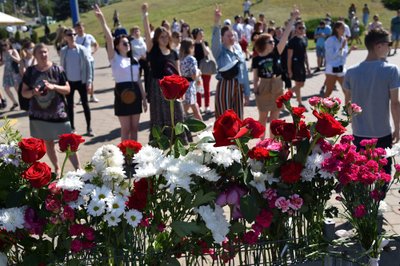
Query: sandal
[(15, 105)]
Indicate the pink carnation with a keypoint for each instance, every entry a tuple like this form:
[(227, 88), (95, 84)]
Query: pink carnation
[(360, 211), (76, 246), (368, 142), (355, 108), (295, 202), (282, 203), (250, 237), (327, 102), (313, 101), (264, 218), (68, 214), (52, 204)]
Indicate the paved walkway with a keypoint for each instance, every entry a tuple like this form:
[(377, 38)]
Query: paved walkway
[(106, 125)]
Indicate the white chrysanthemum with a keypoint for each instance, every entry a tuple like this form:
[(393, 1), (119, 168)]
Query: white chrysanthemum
[(113, 174), (195, 156), (10, 154), (112, 219), (148, 154), (107, 156), (326, 175), (3, 259), (177, 173), (215, 221), (226, 156), (70, 181), (260, 178), (96, 208), (116, 205), (211, 175), (12, 218), (394, 151), (77, 203), (307, 174), (102, 193), (133, 217), (315, 160), (255, 165), (205, 134), (88, 176), (87, 189), (207, 147)]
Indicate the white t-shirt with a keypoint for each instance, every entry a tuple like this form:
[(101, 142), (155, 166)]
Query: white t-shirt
[(246, 6), (121, 71), (139, 47), (86, 40), (248, 30)]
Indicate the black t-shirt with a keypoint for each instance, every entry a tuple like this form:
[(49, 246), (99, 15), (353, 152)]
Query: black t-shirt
[(162, 65), (299, 46), (199, 52), (268, 65)]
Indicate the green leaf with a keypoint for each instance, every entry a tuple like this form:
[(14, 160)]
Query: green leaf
[(202, 198), (179, 128), (195, 125), (156, 132), (179, 148), (237, 228), (183, 229), (163, 142), (15, 199), (249, 208)]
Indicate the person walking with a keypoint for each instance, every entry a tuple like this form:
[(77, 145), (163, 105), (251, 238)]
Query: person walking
[(9, 57), (233, 80), (395, 30), (74, 58), (336, 52), (45, 85), (375, 24), (297, 60), (130, 98), (90, 43), (27, 60), (365, 16), (377, 93), (267, 72), (322, 32), (246, 8)]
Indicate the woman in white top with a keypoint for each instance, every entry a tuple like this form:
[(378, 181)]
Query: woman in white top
[(130, 97), (336, 52)]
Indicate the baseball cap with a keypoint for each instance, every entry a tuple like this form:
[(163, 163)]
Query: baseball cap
[(227, 21)]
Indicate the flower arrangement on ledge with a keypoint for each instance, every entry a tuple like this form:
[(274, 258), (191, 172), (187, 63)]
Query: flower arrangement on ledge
[(211, 200)]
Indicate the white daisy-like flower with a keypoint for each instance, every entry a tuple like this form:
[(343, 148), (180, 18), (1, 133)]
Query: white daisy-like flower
[(107, 156), (215, 221), (326, 175), (133, 217), (116, 205), (87, 189), (113, 174), (394, 151), (12, 218), (211, 175), (102, 194), (122, 191), (112, 219), (70, 181), (88, 176), (307, 174), (10, 154), (96, 208), (260, 178)]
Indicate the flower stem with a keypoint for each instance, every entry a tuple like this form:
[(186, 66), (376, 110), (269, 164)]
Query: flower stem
[(171, 111), (67, 154)]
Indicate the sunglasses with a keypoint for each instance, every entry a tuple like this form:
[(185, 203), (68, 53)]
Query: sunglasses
[(301, 28), (126, 44), (71, 34)]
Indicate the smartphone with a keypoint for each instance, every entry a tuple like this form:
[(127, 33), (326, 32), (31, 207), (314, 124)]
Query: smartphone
[(41, 86)]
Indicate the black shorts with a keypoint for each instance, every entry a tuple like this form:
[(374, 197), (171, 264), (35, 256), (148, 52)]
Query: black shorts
[(299, 71), (122, 109)]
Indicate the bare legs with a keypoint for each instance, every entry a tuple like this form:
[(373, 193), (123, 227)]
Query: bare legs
[(129, 126), (51, 152), (330, 83), (10, 94), (296, 89), (263, 119), (195, 109)]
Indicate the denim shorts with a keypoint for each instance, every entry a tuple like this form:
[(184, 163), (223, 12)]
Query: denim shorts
[(320, 51), (395, 36)]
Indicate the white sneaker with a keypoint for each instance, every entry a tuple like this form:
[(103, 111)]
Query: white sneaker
[(93, 99), (207, 110)]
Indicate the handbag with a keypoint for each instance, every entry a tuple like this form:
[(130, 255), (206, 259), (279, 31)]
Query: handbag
[(128, 95), (207, 66)]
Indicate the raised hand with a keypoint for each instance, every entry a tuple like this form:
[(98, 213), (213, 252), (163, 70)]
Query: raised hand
[(217, 14), (97, 12), (295, 13), (145, 8)]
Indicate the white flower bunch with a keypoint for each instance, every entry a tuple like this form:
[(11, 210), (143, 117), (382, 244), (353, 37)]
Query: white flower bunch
[(148, 160), (314, 165), (215, 221), (10, 154), (12, 218), (260, 178), (107, 156)]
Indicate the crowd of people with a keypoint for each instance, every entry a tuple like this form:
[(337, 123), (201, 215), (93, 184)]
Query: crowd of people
[(279, 61)]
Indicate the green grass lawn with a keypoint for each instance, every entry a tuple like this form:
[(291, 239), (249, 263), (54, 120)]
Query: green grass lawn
[(200, 13)]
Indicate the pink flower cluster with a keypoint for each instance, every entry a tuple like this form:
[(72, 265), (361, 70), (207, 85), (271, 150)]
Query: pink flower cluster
[(327, 105), (84, 237), (364, 166), (293, 203), (54, 204), (231, 196)]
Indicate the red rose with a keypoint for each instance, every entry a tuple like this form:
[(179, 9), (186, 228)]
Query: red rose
[(129, 147), (69, 196), (138, 198), (38, 174), (290, 172), (225, 128), (258, 153), (327, 125), (283, 98), (32, 149), (256, 129), (298, 111), (286, 130), (264, 218), (70, 141), (173, 87)]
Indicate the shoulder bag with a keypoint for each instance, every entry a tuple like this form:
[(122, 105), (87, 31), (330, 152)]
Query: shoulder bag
[(128, 95)]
